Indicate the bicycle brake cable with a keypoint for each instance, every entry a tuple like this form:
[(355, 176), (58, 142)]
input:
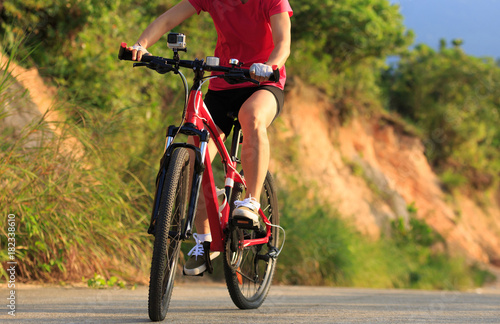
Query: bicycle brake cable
[(284, 239), (186, 98)]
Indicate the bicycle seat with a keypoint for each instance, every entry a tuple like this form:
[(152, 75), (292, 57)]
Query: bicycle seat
[(236, 125), (232, 115)]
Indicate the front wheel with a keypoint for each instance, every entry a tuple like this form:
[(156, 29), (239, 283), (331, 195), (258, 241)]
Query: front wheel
[(171, 216), (249, 270)]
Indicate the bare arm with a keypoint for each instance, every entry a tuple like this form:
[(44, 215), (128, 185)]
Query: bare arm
[(163, 24), (281, 26)]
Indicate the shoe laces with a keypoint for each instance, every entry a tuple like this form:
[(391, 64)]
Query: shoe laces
[(249, 202), (197, 250)]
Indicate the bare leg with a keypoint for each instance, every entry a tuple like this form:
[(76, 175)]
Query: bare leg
[(255, 116)]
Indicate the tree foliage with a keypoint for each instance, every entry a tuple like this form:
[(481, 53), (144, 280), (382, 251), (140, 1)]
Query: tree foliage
[(335, 37), (51, 19), (348, 31), (77, 44), (455, 99)]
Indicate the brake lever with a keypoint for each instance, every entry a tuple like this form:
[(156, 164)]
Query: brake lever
[(160, 68), (140, 64), (252, 80), (237, 77)]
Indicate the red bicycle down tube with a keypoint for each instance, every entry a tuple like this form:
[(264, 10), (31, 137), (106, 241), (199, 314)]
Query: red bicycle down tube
[(211, 203)]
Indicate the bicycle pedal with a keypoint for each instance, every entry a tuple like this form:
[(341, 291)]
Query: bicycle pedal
[(244, 223), (208, 258)]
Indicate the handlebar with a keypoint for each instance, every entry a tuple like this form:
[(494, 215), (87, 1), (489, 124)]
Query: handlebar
[(164, 65)]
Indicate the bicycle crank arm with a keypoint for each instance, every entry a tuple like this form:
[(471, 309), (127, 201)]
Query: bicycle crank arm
[(208, 261)]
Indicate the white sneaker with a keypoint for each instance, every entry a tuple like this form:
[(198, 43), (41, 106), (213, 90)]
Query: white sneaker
[(247, 212)]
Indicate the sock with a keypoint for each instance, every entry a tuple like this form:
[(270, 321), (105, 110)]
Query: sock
[(205, 237)]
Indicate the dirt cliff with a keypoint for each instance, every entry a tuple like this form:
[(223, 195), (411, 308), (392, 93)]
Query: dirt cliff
[(371, 168), (39, 102)]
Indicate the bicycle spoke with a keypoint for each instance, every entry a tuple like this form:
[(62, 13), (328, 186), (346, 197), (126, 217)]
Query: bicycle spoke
[(245, 276), (249, 284)]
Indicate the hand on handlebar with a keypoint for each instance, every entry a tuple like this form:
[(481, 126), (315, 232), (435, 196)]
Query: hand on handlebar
[(260, 72), (137, 52)]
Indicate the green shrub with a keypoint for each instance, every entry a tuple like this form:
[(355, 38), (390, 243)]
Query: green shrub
[(452, 180), (99, 282), (317, 242), (453, 98), (323, 249), (339, 45)]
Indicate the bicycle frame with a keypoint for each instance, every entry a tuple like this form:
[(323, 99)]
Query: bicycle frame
[(199, 124)]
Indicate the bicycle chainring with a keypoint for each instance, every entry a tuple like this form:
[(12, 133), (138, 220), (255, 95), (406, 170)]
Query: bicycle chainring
[(234, 248)]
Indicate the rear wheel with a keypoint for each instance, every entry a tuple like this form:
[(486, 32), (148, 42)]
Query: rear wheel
[(171, 216), (249, 270)]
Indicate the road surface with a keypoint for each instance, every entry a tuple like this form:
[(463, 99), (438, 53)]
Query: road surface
[(210, 303)]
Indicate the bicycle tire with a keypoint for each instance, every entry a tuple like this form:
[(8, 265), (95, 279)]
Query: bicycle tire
[(247, 290), (171, 216)]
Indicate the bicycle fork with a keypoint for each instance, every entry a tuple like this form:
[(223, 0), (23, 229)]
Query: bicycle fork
[(200, 154)]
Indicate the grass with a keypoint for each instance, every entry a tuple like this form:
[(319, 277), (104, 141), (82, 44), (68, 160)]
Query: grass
[(100, 283), (75, 213)]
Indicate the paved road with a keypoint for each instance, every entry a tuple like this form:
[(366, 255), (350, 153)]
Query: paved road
[(210, 303)]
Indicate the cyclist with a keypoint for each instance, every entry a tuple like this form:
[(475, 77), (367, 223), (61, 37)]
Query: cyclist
[(256, 32)]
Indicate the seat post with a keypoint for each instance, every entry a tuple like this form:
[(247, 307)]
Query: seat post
[(237, 140)]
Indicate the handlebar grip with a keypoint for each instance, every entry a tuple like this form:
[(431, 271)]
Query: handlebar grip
[(124, 54), (275, 77)]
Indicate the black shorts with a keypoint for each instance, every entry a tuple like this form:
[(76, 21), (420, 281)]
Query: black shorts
[(224, 104)]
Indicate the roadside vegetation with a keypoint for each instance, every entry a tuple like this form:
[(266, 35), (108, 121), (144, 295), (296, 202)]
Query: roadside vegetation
[(78, 210), (328, 250), (84, 211), (454, 99)]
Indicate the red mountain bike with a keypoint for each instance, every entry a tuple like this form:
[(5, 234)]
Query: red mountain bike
[(249, 254)]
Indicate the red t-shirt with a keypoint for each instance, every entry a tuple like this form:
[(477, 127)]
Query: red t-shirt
[(244, 33)]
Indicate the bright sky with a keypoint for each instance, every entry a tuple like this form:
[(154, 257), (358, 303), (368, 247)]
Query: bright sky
[(476, 22)]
